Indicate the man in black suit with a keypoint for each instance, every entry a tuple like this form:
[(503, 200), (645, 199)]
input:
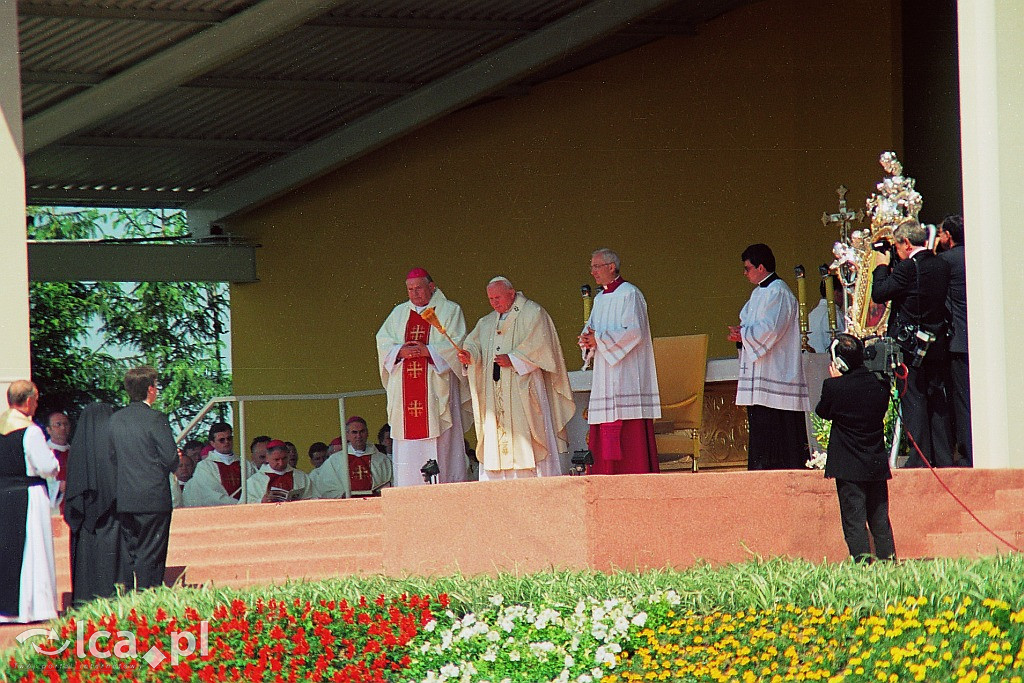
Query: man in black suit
[(951, 237), (856, 401), (144, 451), (917, 287)]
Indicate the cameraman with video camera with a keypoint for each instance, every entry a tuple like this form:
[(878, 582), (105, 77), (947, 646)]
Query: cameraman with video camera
[(917, 286)]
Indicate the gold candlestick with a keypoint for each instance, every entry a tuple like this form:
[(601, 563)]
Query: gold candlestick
[(801, 295)]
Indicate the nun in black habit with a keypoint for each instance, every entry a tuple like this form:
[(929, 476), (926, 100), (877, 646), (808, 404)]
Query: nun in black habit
[(89, 507)]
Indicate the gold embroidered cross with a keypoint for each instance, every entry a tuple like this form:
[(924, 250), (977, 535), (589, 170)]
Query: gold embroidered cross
[(361, 472), (415, 408), (415, 370), (418, 333)]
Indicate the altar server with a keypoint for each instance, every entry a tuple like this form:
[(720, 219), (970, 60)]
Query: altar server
[(425, 386), (521, 396), (624, 400), (771, 378), (28, 583)]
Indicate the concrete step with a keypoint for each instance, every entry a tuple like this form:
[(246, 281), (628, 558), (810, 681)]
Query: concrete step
[(994, 519), (973, 543), (204, 551), (1010, 499), (278, 570), (318, 531)]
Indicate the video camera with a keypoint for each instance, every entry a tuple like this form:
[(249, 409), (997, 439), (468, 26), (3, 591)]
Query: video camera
[(883, 246), (430, 471), (882, 355), (580, 461), (915, 342)]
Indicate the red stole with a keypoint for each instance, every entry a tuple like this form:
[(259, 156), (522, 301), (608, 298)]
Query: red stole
[(414, 382), (280, 481), (62, 460), (359, 473), (231, 478)]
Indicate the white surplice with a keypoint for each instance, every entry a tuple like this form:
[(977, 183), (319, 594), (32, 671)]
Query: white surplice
[(771, 370), (447, 394), (625, 383), (205, 487), (256, 486), (38, 591)]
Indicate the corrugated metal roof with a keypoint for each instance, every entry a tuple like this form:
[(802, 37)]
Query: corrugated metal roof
[(306, 83)]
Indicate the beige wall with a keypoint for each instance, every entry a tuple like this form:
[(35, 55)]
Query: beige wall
[(677, 154)]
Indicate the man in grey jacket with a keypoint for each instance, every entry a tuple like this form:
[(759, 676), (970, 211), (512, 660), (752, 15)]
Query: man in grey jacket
[(144, 450)]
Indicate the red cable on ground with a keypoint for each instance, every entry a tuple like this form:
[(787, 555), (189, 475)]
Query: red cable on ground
[(903, 378)]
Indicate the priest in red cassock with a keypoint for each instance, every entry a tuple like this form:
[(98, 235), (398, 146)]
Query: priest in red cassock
[(58, 426), (427, 392), (217, 480), (277, 481), (624, 400)]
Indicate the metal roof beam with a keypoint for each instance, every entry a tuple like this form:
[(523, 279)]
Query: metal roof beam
[(70, 261), (170, 68), (471, 83), (37, 9), (40, 194), (297, 85), (228, 145)]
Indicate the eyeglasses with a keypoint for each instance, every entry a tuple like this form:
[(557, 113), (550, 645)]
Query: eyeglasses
[(595, 266)]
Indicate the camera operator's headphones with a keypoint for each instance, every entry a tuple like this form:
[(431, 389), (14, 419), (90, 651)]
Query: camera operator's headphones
[(846, 359)]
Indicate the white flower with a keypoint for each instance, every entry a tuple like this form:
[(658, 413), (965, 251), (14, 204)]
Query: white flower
[(497, 600), (493, 636), (603, 656), (596, 673), (584, 678), (490, 655), (431, 625), (450, 670), (513, 656), (569, 661), (639, 620)]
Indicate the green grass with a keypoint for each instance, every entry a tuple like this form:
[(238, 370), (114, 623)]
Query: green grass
[(757, 584), (754, 586)]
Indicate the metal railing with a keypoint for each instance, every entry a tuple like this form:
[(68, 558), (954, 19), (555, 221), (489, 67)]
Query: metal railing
[(242, 400)]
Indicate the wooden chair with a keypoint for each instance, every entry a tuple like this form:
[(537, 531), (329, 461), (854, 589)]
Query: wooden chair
[(682, 366)]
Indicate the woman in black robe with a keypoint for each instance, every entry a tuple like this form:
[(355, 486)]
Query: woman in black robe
[(89, 507)]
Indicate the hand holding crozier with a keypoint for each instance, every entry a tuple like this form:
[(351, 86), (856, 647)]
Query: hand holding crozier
[(430, 316)]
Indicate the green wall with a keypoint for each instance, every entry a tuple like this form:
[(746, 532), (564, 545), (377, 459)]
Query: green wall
[(677, 155)]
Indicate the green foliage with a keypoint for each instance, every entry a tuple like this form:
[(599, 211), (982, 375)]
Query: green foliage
[(85, 335)]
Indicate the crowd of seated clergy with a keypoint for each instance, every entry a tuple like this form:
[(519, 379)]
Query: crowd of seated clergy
[(211, 474)]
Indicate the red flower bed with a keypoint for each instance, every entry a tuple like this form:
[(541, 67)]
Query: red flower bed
[(263, 641)]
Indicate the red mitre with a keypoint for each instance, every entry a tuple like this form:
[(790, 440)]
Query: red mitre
[(354, 418), (417, 273), (336, 442), (276, 443)]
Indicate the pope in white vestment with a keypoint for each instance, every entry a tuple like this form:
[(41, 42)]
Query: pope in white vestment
[(29, 579), (426, 390), (522, 401), (771, 377), (624, 400)]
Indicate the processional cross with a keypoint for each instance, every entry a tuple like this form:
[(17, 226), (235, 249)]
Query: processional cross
[(843, 217)]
